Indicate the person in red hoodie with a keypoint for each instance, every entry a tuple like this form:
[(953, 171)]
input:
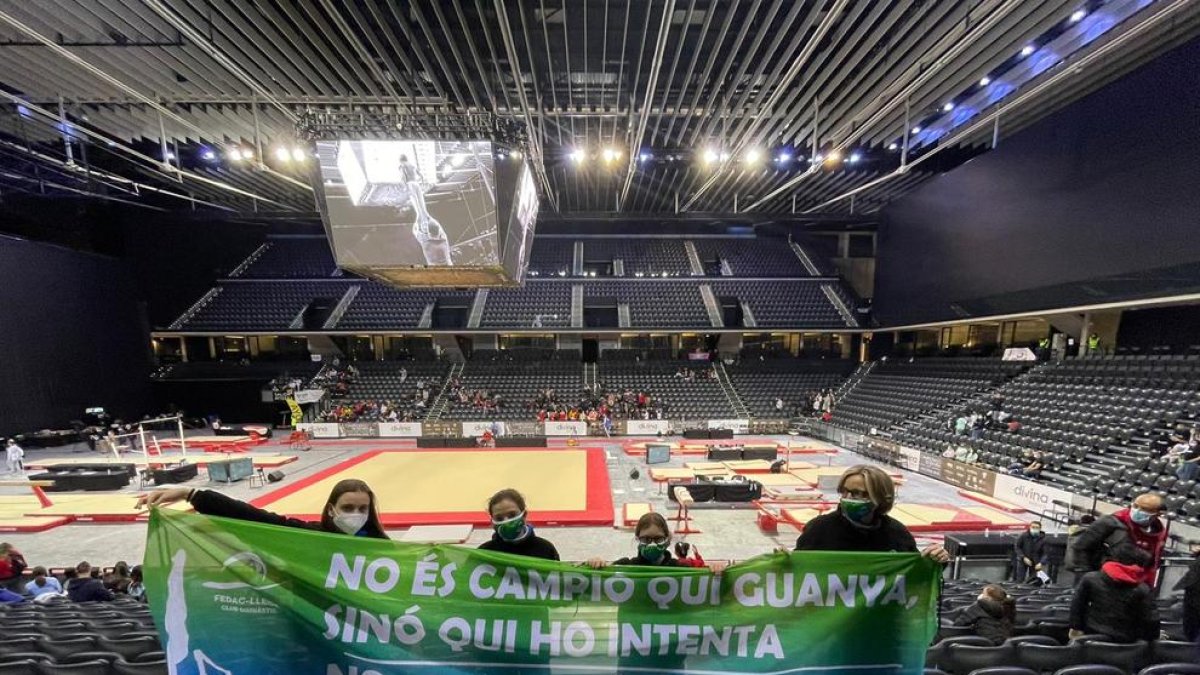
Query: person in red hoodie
[(1115, 602), (1136, 527)]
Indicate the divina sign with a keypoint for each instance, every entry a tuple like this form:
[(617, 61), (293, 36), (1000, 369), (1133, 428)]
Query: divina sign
[(1028, 495), (236, 597)]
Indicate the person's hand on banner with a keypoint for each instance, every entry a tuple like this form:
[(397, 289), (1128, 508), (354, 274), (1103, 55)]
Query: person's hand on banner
[(596, 563), (937, 553), (163, 497), (718, 567)]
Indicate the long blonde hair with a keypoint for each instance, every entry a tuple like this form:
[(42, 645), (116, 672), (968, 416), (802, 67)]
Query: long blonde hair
[(880, 488)]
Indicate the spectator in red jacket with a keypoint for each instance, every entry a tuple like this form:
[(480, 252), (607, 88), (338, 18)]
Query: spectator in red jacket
[(12, 564), (1136, 527)]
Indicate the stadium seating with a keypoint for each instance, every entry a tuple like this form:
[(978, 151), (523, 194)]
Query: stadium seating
[(550, 256), (700, 399), (234, 370), (517, 382), (759, 383), (381, 380), (752, 257), (778, 304), (80, 638), (665, 304), (649, 257), (549, 300), (260, 306), (382, 307), (290, 258)]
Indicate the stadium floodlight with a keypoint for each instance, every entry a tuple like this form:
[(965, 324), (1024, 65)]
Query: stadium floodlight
[(299, 154), (783, 158), (948, 107), (457, 160), (833, 157), (515, 154), (578, 156), (1027, 50), (644, 157), (916, 130), (610, 154), (1078, 15), (283, 154), (854, 158), (234, 154), (752, 156), (985, 81), (893, 146), (710, 156), (208, 155), (169, 156)]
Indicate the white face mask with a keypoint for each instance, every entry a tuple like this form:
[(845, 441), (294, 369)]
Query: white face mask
[(350, 523)]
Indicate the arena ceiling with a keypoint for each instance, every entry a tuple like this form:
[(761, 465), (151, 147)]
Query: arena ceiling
[(637, 106)]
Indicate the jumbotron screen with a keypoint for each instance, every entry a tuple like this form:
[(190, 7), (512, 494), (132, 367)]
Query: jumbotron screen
[(427, 213)]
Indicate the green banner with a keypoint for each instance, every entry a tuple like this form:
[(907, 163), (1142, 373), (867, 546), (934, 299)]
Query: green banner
[(250, 599)]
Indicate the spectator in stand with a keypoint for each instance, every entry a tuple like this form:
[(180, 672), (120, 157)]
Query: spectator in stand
[(1189, 462), (860, 522), (961, 424), (350, 509), (42, 584), (779, 405), (991, 616), (1072, 559), (1030, 553), (511, 532), (137, 587), (85, 587), (1013, 425), (12, 564), (15, 457), (1115, 601), (1138, 526), (118, 580), (966, 454), (653, 538)]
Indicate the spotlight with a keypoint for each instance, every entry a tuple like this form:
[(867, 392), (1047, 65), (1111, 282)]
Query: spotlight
[(710, 156), (1027, 50), (299, 154), (515, 154), (854, 158), (893, 146), (1078, 15), (208, 155), (833, 156), (752, 156), (985, 81), (783, 158), (819, 158), (948, 107), (247, 154), (724, 156), (169, 156), (609, 154), (235, 154), (457, 160), (916, 130), (644, 157), (282, 154), (578, 156)]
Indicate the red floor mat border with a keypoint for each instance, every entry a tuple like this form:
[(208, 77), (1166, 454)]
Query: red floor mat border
[(598, 509)]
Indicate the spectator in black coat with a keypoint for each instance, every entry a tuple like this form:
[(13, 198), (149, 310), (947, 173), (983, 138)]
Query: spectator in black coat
[(991, 616), (1115, 602), (511, 532), (1030, 552), (86, 588)]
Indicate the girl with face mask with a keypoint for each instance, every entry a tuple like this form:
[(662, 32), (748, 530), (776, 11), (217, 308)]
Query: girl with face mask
[(351, 508), (653, 545), (511, 531)]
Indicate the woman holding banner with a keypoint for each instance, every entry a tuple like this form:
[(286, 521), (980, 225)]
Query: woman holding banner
[(511, 533), (861, 522), (351, 508)]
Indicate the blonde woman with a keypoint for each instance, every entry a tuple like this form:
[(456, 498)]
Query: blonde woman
[(861, 522)]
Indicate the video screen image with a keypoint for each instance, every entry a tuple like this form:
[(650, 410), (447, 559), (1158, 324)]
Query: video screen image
[(420, 203)]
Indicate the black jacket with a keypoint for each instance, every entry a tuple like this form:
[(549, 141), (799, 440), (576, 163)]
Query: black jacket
[(1099, 542), (1116, 607), (532, 546), (212, 503), (834, 532), (1190, 585), (987, 618), (87, 590), (665, 561), (1029, 546)]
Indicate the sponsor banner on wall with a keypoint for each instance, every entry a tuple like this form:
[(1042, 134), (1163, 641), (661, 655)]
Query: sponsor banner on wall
[(309, 395), (475, 429), (399, 429), (930, 465), (325, 430), (647, 427), (1029, 495), (968, 476), (910, 458), (360, 430), (736, 426), (566, 428)]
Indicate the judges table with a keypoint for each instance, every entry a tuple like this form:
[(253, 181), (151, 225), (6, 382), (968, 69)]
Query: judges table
[(990, 556)]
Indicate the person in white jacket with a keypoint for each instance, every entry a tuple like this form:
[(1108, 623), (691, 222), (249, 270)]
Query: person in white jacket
[(15, 456)]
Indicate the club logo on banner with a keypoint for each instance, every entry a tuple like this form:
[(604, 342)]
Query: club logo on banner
[(647, 427), (325, 430), (474, 429), (736, 426), (566, 428), (400, 429), (232, 596)]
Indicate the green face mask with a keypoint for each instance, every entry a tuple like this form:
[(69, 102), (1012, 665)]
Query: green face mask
[(857, 510), (652, 552), (511, 529)]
